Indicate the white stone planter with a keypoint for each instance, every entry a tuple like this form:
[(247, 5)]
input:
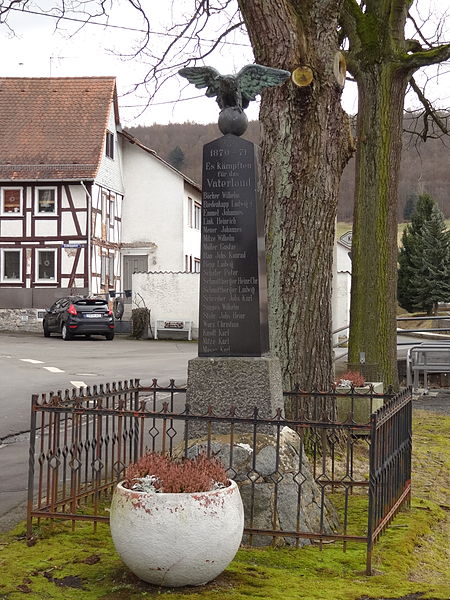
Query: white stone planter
[(177, 539), (363, 406)]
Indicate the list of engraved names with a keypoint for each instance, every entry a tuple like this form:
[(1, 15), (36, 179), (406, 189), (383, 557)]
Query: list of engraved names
[(229, 277)]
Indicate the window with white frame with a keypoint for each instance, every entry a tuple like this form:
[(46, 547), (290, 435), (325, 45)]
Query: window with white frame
[(45, 201), (109, 145), (111, 271), (46, 265), (112, 207), (197, 215), (196, 265), (11, 265), (188, 263), (190, 211), (103, 267), (104, 204), (11, 201)]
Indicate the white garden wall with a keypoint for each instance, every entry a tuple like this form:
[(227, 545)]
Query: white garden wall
[(342, 269), (169, 296)]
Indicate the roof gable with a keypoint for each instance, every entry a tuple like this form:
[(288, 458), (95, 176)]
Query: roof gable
[(53, 128), (132, 140)]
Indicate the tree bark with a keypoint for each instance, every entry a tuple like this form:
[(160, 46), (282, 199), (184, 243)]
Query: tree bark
[(306, 143), (381, 90), (382, 62)]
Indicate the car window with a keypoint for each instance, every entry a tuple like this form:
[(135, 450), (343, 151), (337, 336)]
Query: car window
[(59, 304), (89, 304)]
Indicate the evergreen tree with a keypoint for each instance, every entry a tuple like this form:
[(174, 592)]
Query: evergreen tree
[(411, 254), (431, 281), (176, 158), (409, 207), (411, 246)]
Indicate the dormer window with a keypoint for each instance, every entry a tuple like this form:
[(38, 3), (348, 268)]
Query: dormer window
[(109, 146)]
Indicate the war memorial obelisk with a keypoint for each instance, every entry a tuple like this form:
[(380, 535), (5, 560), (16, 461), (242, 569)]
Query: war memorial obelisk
[(234, 366)]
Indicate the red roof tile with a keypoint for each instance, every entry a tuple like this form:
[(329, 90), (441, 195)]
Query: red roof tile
[(53, 128)]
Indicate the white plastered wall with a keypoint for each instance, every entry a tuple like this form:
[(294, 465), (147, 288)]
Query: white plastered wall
[(110, 171), (342, 269), (169, 296), (191, 235), (153, 210)]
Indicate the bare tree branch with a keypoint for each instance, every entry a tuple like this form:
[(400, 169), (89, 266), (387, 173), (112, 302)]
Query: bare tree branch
[(425, 58), (419, 31), (429, 112)]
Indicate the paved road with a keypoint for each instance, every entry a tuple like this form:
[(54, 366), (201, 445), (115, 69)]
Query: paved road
[(33, 364)]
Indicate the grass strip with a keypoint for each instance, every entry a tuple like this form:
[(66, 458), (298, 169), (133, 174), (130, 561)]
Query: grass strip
[(411, 558)]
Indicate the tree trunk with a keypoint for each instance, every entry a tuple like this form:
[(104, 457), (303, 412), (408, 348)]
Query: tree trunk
[(374, 245), (306, 143)]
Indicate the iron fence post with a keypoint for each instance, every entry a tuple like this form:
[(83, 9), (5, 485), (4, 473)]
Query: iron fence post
[(136, 421), (31, 457), (372, 485)]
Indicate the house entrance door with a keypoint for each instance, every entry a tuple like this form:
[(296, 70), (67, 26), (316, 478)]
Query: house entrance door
[(133, 263)]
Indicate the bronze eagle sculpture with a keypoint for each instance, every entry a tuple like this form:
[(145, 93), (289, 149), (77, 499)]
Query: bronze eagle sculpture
[(234, 91)]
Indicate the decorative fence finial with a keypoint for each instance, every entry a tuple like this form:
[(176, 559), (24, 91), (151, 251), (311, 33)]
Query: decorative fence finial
[(234, 92)]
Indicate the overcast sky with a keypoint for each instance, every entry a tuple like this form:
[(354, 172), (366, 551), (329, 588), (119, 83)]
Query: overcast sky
[(32, 47)]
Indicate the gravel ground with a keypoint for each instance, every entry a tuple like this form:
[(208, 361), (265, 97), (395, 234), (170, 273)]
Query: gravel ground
[(435, 401)]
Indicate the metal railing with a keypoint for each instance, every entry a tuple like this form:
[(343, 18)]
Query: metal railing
[(340, 343), (390, 465), (82, 440)]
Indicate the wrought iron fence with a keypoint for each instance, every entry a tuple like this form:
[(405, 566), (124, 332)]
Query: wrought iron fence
[(390, 465), (310, 473)]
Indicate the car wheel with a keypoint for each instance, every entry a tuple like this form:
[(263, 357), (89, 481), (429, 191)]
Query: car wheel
[(109, 336), (46, 329), (65, 333)]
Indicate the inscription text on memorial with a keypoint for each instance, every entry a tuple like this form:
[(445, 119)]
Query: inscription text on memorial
[(233, 289)]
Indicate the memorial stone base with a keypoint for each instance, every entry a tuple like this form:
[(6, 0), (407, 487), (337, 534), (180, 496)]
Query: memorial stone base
[(243, 382)]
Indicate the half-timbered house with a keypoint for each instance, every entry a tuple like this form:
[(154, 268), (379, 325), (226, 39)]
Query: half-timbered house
[(83, 204), (61, 189)]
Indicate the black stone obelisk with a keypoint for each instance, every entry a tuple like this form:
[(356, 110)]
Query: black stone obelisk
[(234, 366), (233, 319)]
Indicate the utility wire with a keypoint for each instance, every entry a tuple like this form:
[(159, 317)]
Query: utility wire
[(166, 102), (87, 22), (159, 103)]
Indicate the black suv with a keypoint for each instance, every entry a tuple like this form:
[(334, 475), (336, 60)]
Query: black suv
[(75, 315)]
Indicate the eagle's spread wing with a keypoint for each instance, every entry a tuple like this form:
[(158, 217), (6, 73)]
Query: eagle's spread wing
[(203, 77), (252, 79)]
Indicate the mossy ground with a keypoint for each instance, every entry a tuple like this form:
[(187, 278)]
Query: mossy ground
[(412, 557)]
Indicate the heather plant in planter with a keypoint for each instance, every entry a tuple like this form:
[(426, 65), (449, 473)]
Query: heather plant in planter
[(176, 522), (351, 379), (363, 397), (160, 473)]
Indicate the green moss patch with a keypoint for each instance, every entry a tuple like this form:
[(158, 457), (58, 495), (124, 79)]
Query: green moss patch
[(411, 557)]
